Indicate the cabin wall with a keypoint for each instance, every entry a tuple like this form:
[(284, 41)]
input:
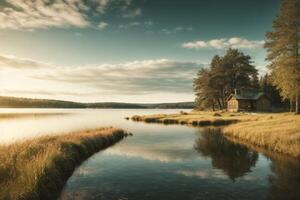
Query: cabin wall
[(263, 104), (246, 105), (233, 105)]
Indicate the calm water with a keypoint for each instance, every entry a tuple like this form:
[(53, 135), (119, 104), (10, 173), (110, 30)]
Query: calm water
[(28, 123), (163, 162)]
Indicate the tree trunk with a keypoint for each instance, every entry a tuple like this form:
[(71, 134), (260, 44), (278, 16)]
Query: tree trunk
[(297, 109), (291, 105), (220, 105)]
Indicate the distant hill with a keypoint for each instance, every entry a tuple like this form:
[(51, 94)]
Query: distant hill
[(16, 102)]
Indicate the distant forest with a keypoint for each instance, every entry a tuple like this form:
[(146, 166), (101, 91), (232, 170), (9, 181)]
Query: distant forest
[(15, 102)]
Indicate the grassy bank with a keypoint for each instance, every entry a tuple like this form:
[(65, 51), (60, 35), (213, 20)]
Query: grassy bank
[(38, 168), (193, 118), (278, 132)]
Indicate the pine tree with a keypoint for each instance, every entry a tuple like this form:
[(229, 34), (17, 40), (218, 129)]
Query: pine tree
[(282, 45), (205, 96)]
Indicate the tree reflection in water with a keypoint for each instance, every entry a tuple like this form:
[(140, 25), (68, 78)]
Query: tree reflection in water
[(285, 180), (234, 159)]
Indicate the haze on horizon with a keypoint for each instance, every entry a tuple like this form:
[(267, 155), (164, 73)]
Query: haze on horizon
[(123, 50)]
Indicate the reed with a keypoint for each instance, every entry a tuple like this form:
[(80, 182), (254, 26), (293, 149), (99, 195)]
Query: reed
[(279, 132), (38, 168)]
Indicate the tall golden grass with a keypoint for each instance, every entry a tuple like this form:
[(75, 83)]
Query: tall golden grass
[(277, 132), (38, 168)]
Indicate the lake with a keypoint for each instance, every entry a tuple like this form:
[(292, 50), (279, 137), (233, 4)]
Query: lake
[(159, 161)]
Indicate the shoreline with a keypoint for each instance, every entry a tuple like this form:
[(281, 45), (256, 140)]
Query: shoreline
[(277, 132), (38, 168)]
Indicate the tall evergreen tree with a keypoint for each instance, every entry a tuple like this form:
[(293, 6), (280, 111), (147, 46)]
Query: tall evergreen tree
[(282, 45), (205, 96)]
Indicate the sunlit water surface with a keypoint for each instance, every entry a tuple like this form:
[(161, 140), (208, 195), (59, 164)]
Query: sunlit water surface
[(162, 162)]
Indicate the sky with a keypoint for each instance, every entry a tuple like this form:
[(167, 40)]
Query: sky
[(123, 50)]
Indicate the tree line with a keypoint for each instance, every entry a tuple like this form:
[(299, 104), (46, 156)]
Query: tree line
[(235, 70)]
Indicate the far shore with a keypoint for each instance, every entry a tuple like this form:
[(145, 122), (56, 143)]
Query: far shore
[(38, 168), (5, 116), (277, 132)]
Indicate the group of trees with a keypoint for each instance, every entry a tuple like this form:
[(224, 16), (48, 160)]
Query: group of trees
[(232, 71), (235, 70)]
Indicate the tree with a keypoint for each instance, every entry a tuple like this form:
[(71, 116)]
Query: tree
[(240, 71), (282, 45), (266, 86), (204, 93), (232, 71)]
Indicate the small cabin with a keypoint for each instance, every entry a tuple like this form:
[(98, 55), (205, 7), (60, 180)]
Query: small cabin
[(249, 102)]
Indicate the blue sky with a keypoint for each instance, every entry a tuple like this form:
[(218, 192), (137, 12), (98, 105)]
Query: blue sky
[(123, 50)]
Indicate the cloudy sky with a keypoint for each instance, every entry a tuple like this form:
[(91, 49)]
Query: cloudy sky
[(122, 50)]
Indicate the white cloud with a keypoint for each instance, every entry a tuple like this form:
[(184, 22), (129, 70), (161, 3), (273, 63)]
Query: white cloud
[(102, 25), (137, 77), (195, 45), (176, 30), (102, 6), (133, 13), (33, 14), (162, 79), (136, 24), (149, 23), (179, 28), (234, 42), (9, 61), (40, 14), (217, 43)]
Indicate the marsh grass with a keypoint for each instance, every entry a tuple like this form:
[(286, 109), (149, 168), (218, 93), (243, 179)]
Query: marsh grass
[(193, 118), (278, 132), (38, 168)]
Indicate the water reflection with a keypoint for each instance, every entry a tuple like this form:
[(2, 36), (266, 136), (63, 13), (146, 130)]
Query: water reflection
[(285, 179), (234, 159), (177, 162), (19, 124), (159, 146), (164, 162), (237, 160)]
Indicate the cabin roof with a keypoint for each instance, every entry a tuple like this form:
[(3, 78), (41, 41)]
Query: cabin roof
[(247, 96)]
